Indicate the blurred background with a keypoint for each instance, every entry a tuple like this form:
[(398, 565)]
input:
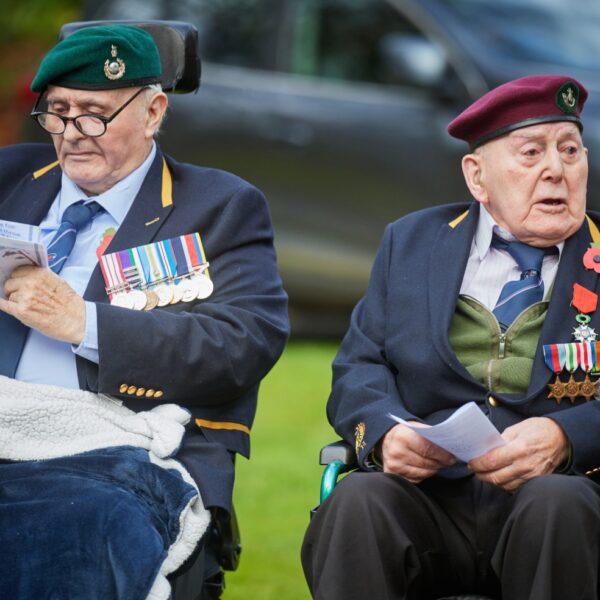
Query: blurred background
[(337, 110)]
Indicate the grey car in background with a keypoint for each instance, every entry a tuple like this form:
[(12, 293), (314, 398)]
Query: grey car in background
[(337, 110)]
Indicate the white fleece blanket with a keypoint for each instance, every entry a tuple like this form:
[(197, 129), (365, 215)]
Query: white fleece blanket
[(42, 421)]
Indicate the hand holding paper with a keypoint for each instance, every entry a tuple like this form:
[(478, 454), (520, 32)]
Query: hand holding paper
[(534, 447), (466, 434), (19, 246)]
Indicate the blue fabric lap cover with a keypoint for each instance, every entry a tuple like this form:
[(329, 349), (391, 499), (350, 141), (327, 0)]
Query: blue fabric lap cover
[(96, 526)]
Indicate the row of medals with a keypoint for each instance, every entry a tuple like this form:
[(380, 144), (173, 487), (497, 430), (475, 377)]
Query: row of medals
[(197, 287), (573, 389)]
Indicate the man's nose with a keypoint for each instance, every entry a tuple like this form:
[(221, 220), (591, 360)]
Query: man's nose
[(71, 132), (553, 167)]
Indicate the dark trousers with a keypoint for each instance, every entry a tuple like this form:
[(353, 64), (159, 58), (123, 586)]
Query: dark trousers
[(380, 537)]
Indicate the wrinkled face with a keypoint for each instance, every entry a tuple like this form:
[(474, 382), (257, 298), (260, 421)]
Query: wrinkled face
[(533, 181), (95, 164)]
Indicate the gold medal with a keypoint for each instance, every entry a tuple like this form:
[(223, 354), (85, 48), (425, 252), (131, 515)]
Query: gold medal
[(572, 389), (558, 390), (587, 388), (151, 300)]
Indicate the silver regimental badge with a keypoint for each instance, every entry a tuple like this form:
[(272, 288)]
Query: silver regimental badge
[(569, 97), (584, 333), (114, 68)]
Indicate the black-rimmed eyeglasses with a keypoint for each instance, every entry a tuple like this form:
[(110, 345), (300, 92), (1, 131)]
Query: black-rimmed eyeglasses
[(90, 125)]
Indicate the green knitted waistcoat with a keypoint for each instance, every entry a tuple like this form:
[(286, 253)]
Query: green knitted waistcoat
[(501, 366)]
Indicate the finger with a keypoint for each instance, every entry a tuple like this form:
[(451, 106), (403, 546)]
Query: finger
[(431, 452), (7, 306), (412, 474), (10, 286), (506, 481), (493, 460), (412, 460), (416, 457), (25, 271)]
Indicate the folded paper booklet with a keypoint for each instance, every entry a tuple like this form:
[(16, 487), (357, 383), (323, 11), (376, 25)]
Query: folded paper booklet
[(19, 245), (467, 433)]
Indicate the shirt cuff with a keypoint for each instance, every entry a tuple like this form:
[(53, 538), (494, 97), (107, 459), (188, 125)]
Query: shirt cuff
[(373, 460), (89, 345)]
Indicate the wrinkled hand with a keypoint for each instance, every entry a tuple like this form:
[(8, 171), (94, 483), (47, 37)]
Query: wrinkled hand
[(44, 301), (410, 455), (533, 447)]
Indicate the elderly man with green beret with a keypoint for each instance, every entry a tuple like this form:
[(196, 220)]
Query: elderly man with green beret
[(130, 359), (492, 304)]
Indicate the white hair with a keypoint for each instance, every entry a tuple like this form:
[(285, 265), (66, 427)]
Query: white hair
[(151, 91)]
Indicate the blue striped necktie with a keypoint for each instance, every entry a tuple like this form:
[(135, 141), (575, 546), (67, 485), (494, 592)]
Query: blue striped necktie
[(518, 295), (76, 217)]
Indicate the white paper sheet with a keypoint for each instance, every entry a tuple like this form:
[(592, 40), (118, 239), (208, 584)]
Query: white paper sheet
[(466, 434), (19, 246)]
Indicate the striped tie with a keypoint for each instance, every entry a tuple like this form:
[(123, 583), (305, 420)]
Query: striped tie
[(516, 296), (76, 217)]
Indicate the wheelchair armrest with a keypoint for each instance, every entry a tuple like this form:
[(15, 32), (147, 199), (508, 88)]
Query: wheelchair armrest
[(340, 450), (339, 458)]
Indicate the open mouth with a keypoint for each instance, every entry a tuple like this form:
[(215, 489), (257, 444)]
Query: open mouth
[(552, 202)]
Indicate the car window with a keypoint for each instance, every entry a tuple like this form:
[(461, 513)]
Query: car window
[(246, 33), (349, 40), (554, 31), (346, 39)]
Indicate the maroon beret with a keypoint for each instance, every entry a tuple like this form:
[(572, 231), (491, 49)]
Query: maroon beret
[(519, 103)]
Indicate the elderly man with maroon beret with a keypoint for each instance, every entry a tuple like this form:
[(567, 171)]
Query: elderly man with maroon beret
[(491, 302)]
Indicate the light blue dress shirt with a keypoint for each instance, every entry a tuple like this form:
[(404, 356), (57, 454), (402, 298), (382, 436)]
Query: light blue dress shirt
[(49, 361)]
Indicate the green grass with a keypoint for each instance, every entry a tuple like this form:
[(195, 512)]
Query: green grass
[(276, 489)]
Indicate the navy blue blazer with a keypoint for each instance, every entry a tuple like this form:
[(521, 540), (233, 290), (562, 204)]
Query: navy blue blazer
[(208, 356), (396, 357)]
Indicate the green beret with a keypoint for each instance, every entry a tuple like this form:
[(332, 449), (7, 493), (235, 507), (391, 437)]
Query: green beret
[(101, 58)]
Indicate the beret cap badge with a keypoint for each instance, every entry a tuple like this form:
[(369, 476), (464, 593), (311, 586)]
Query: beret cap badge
[(114, 69), (567, 97)]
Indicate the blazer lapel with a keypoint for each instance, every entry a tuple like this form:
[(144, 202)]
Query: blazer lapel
[(447, 263), (560, 320)]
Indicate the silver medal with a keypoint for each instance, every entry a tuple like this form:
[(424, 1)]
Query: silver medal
[(205, 286), (139, 299), (164, 292), (190, 289), (123, 300)]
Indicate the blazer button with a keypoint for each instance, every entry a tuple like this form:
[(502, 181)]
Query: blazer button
[(140, 392), (493, 402), (158, 394), (150, 393), (123, 388), (131, 390)]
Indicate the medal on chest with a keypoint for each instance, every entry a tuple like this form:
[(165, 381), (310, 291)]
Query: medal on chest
[(157, 274), (582, 354)]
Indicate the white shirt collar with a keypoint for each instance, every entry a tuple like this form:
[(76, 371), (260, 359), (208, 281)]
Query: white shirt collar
[(117, 200), (486, 226)]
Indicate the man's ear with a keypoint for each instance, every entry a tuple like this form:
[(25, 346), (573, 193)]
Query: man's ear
[(155, 113), (472, 168)]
